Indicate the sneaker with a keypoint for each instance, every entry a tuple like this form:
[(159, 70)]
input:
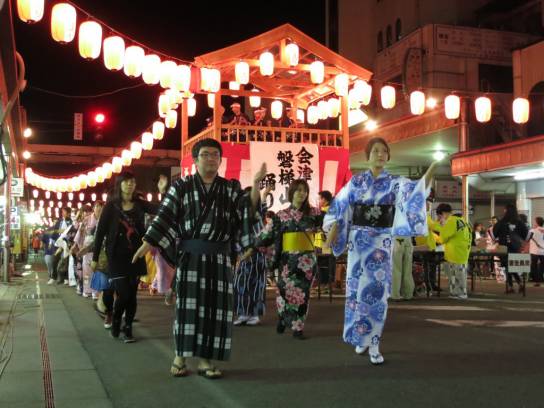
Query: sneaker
[(51, 281), (242, 320), (107, 321), (253, 321), (376, 359), (86, 295), (360, 350), (127, 335), (95, 297)]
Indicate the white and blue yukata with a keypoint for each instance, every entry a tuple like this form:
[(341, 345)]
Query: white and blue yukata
[(368, 280)]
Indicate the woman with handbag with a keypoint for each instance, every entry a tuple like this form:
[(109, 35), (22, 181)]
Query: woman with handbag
[(122, 224)]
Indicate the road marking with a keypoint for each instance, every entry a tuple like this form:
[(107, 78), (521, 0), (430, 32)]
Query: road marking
[(487, 323), (441, 308)]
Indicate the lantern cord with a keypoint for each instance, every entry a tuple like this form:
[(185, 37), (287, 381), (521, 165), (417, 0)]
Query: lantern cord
[(47, 91), (114, 31)]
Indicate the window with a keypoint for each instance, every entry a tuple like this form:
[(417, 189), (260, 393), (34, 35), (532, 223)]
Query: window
[(388, 36), (380, 42), (398, 30)]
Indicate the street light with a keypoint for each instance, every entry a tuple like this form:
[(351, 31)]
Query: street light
[(99, 118), (27, 132)]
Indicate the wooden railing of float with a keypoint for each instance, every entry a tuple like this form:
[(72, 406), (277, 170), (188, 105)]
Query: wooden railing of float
[(246, 134)]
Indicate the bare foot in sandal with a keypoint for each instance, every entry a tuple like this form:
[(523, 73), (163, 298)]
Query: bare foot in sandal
[(179, 368), (207, 370)]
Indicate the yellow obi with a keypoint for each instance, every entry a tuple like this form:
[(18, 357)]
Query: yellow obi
[(298, 241)]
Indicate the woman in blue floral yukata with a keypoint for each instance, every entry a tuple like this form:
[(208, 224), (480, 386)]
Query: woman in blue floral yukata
[(363, 217), (292, 235)]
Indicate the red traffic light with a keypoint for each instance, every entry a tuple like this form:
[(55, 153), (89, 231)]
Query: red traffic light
[(99, 118)]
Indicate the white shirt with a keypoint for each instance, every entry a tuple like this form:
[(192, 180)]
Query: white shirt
[(536, 246)]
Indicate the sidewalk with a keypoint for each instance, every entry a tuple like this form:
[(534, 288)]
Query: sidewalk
[(46, 359)]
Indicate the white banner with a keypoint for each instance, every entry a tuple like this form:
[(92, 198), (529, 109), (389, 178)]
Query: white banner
[(286, 162)]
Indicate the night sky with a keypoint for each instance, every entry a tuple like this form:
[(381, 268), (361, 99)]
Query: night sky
[(180, 29)]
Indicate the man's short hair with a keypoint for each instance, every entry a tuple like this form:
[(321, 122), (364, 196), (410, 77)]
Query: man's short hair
[(539, 221), (443, 208), (208, 142), (67, 209), (326, 195)]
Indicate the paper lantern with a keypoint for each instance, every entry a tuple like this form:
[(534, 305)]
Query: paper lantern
[(312, 114), (241, 72), (181, 80), (90, 39), (317, 72), (323, 108), (114, 53), (254, 101), (82, 181), (341, 83), (353, 99), (520, 110), (59, 196), (81, 196), (417, 103), (30, 11), (191, 107), (205, 79), (266, 63), (333, 107), (147, 141), (41, 203), (35, 193), (151, 66), (234, 86), (276, 109), (136, 150), (108, 170), (363, 91), (134, 61), (149, 196), (482, 107), (356, 116), (79, 205), (117, 164), (126, 157), (388, 97), (452, 106), (166, 73), (291, 54), (104, 197), (173, 97), (211, 100), (214, 76), (93, 197), (48, 195), (69, 204), (158, 130), (171, 119), (70, 195), (300, 116), (164, 104), (63, 22), (100, 174), (92, 178)]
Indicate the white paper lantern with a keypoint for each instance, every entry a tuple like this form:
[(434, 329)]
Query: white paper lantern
[(108, 170), (276, 109), (114, 53), (300, 116), (214, 80), (333, 107), (292, 54), (164, 104), (92, 178), (211, 100), (100, 174), (126, 157), (151, 66), (312, 114), (317, 72), (482, 106), (90, 39), (452, 106), (520, 110), (191, 107), (134, 61), (158, 130), (104, 197), (417, 102), (93, 197), (63, 22), (323, 108), (30, 11), (255, 101), (388, 97), (363, 91), (266, 63), (341, 84), (166, 73), (117, 164), (241, 72), (182, 78), (136, 150), (147, 141), (171, 119)]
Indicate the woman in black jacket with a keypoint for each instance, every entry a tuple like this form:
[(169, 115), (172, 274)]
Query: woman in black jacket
[(511, 232), (122, 224)]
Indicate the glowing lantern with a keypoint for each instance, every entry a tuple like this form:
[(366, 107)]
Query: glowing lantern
[(241, 72), (147, 141), (323, 109), (93, 197), (214, 77), (173, 97), (266, 64), (482, 107), (211, 100), (353, 100), (234, 86), (126, 157), (356, 116), (181, 80), (158, 130), (82, 181), (69, 204), (149, 196), (333, 107), (151, 69), (35, 193), (300, 115), (81, 196), (159, 196), (30, 11), (117, 164), (114, 53), (48, 195), (388, 97), (341, 83), (363, 91), (104, 196), (91, 178), (79, 205), (108, 170), (417, 103), (59, 196), (520, 110), (100, 174), (291, 54), (136, 150), (313, 114), (164, 104), (317, 72), (452, 106), (134, 61), (70, 196), (171, 119), (254, 101), (51, 204), (191, 107), (276, 109), (204, 79), (166, 73), (90, 39), (41, 203), (63, 22)]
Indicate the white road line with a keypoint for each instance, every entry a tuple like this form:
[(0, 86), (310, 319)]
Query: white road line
[(487, 323)]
